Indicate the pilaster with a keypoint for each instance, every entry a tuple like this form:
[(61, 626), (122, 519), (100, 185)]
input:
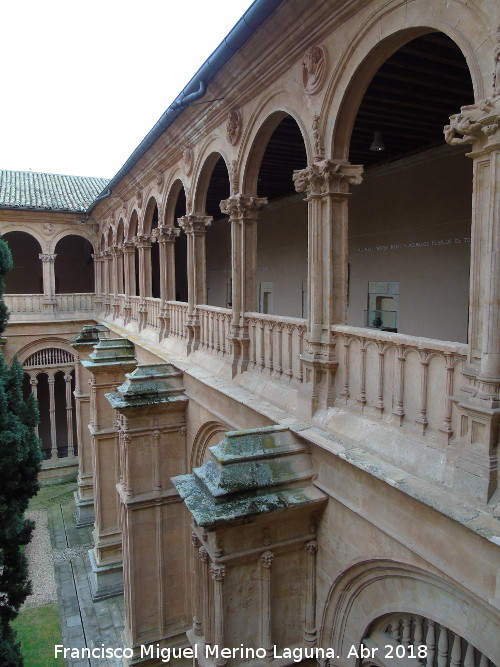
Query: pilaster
[(49, 282)]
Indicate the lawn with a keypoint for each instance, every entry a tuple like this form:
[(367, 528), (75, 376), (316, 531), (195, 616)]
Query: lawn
[(38, 630)]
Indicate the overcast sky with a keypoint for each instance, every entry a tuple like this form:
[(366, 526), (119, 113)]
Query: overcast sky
[(84, 81)]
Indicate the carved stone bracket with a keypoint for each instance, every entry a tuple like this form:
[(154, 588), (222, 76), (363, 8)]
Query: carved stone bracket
[(476, 124), (165, 234)]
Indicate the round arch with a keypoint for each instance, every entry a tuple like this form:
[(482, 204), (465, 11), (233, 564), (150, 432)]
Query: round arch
[(258, 142), (73, 232), (171, 201), (43, 343), (26, 275), (209, 434), (74, 265), (373, 589), (150, 220), (202, 182), (383, 34), (132, 229)]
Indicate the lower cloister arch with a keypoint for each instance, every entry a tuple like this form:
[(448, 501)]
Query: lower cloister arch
[(369, 593), (74, 265)]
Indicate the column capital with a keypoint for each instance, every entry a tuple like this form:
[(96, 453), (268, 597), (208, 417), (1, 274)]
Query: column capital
[(218, 572), (241, 206), (194, 223), (327, 177), (165, 234), (266, 559), (47, 257), (142, 241), (128, 247), (476, 124)]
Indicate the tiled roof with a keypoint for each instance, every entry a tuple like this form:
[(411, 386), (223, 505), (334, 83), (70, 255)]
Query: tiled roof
[(33, 190)]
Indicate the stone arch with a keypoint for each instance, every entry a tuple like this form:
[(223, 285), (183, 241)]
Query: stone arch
[(370, 590), (27, 229), (73, 232), (149, 222), (211, 433), (171, 201), (258, 141), (74, 265), (202, 182), (44, 343), (132, 229), (26, 276), (381, 37)]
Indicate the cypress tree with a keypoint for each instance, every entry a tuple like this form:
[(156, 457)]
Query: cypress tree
[(20, 457)]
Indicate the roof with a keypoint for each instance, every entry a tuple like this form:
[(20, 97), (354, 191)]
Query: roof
[(55, 192)]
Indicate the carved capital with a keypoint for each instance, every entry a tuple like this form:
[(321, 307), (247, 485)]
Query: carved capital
[(47, 257), (218, 572), (194, 224), (327, 177), (165, 234), (476, 124), (128, 247), (203, 554), (240, 206), (312, 547), (266, 559), (142, 241)]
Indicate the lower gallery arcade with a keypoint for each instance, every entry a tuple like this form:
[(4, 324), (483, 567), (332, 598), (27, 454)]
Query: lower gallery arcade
[(278, 365)]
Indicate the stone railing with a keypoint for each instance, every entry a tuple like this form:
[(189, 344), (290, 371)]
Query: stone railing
[(409, 379), (134, 308), (177, 311), (276, 344), (153, 312), (215, 325), (28, 307)]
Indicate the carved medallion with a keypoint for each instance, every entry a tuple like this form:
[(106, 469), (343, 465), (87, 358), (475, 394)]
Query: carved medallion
[(234, 124), (314, 69), (48, 228)]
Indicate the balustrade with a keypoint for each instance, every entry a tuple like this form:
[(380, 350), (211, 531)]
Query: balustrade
[(178, 311), (153, 312), (276, 344), (26, 306), (407, 379), (215, 324)]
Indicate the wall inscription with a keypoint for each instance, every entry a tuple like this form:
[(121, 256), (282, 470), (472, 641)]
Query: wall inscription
[(415, 244)]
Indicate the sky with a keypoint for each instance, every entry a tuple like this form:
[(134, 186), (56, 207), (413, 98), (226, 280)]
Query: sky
[(83, 81)]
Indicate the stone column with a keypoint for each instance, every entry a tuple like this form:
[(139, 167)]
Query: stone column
[(310, 602), (129, 268), (218, 573), (106, 255), (99, 280), (69, 415), (34, 384), (476, 469), (110, 360), (52, 416), (143, 243), (266, 560), (195, 227), (166, 239), (243, 212), (49, 281), (84, 495), (327, 186)]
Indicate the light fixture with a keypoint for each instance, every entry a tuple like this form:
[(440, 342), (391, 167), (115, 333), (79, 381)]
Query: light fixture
[(377, 143)]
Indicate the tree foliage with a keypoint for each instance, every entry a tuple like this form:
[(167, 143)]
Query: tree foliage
[(20, 457)]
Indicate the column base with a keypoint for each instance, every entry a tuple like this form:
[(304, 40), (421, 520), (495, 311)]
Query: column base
[(106, 581), (84, 512), (174, 649)]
